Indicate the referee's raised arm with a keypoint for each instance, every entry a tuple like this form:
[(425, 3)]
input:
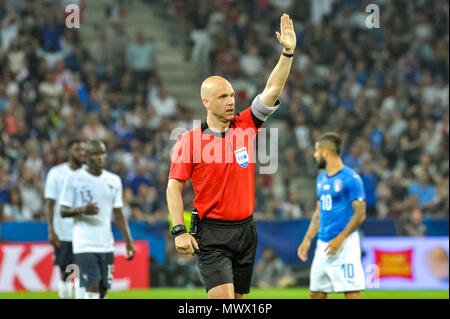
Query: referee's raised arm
[(277, 79), (184, 242)]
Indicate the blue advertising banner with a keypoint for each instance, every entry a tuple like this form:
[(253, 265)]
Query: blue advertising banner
[(281, 236)]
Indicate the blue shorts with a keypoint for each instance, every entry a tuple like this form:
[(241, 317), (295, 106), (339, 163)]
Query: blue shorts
[(64, 255), (95, 268)]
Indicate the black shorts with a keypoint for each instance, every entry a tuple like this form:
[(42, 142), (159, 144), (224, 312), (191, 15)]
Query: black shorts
[(64, 255), (227, 252), (95, 268)]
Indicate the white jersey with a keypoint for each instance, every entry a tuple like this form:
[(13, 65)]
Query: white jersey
[(53, 187), (92, 233)]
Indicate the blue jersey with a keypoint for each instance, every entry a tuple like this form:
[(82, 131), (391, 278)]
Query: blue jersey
[(336, 194)]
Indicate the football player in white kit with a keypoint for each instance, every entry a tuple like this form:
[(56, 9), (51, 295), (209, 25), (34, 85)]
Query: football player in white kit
[(90, 196), (60, 229), (341, 208)]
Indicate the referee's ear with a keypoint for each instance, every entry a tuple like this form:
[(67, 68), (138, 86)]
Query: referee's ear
[(205, 103)]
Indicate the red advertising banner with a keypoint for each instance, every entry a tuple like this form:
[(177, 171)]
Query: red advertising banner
[(398, 264), (29, 266)]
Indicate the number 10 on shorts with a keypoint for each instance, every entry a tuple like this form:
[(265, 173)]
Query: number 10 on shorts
[(348, 270)]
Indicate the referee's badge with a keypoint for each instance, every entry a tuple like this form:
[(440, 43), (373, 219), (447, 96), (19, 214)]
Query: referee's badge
[(241, 157), (337, 185)]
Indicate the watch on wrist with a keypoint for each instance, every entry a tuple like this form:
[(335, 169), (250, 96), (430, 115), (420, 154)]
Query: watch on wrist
[(178, 230), (288, 55)]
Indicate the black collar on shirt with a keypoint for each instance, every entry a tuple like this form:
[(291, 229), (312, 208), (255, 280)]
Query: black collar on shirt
[(206, 128), (258, 123)]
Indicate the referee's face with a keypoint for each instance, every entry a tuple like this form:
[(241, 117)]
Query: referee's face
[(221, 101)]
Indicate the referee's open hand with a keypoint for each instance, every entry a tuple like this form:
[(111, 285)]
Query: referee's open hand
[(185, 244)]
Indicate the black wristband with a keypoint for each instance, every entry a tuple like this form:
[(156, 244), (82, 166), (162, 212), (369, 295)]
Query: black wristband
[(178, 230), (288, 55)]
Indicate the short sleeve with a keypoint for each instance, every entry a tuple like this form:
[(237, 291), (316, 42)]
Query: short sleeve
[(356, 188), (262, 111), (51, 188), (118, 198), (68, 192), (182, 158)]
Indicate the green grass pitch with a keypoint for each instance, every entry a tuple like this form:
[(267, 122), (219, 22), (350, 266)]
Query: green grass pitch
[(275, 293)]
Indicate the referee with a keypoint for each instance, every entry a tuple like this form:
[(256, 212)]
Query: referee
[(218, 157)]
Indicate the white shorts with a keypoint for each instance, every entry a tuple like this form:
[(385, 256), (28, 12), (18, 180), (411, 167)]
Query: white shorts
[(342, 272)]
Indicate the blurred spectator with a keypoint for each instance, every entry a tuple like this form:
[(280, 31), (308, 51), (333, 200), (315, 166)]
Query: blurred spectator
[(52, 89), (94, 129), (141, 178), (271, 271), (228, 58), (440, 205), (423, 189), (251, 62), (200, 35), (10, 25), (411, 143), (141, 55), (370, 180), (31, 189), (425, 166), (146, 205), (411, 224), (51, 32), (14, 210), (290, 209), (114, 10), (164, 104)]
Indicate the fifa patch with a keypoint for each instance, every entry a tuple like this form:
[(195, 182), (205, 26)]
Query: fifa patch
[(241, 157), (337, 186)]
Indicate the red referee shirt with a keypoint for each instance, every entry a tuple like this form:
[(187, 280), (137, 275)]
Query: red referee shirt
[(221, 167)]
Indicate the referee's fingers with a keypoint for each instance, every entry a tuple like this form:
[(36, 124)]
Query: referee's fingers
[(194, 242), (183, 250)]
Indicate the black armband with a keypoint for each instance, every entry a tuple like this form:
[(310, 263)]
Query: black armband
[(178, 230), (288, 55)]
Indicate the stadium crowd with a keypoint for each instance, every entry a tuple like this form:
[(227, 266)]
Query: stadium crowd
[(385, 90)]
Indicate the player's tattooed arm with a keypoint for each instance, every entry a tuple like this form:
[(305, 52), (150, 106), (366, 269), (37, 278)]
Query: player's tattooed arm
[(359, 214), (313, 228)]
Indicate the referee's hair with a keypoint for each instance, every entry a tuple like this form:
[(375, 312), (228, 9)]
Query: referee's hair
[(72, 142), (333, 142)]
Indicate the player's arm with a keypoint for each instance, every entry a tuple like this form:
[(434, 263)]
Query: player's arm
[(122, 225), (313, 229), (184, 243), (277, 79), (89, 209), (359, 214), (67, 200), (50, 195), (48, 209)]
